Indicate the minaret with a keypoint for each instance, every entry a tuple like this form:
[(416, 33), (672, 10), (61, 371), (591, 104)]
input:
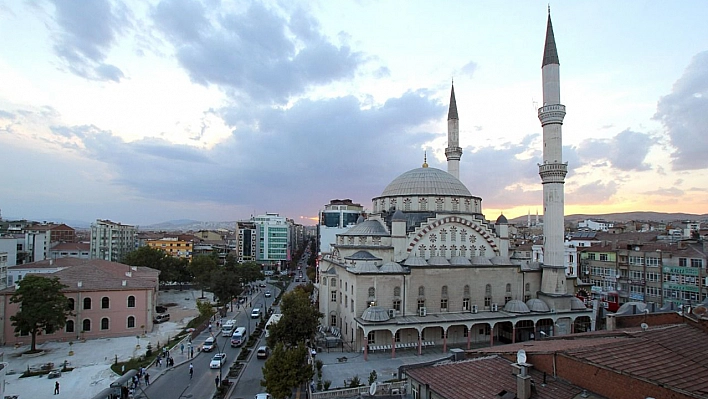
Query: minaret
[(453, 152), (552, 171)]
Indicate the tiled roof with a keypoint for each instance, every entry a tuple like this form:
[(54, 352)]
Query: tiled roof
[(72, 246), (485, 378), (97, 274)]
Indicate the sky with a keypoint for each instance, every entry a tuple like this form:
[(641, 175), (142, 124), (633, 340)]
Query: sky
[(147, 111)]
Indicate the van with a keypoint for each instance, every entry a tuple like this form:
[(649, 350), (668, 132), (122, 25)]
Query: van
[(228, 328), (159, 318), (208, 345), (238, 337), (255, 313)]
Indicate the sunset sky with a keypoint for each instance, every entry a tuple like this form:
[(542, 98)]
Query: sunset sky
[(148, 111)]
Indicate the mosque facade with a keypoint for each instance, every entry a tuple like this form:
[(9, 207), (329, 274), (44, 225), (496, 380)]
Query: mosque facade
[(425, 268)]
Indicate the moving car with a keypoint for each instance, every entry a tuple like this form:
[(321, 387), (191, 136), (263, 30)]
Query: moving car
[(228, 328), (262, 352), (208, 345), (217, 361), (268, 294), (159, 318), (255, 313), (238, 337), (263, 396)]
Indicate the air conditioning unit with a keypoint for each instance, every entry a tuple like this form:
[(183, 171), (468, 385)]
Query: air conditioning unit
[(395, 391), (475, 309), (392, 313), (495, 307), (422, 312)]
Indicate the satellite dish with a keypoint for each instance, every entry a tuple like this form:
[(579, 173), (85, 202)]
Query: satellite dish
[(521, 356), (372, 389), (644, 326)]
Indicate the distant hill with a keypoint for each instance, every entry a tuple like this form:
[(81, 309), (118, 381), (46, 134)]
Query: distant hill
[(188, 224), (626, 217)]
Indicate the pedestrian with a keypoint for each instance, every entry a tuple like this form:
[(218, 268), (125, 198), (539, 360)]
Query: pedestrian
[(147, 379), (209, 327), (159, 360), (191, 352), (191, 370), (56, 388), (181, 347), (216, 380)]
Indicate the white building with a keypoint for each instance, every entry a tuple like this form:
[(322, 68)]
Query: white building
[(337, 217), (273, 234), (427, 269), (112, 241), (595, 225)]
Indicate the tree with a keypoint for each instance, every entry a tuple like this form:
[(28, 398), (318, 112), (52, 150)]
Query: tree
[(171, 269), (286, 369), (299, 321), (202, 267), (43, 306)]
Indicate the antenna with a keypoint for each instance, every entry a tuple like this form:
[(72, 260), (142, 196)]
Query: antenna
[(521, 356), (644, 326)]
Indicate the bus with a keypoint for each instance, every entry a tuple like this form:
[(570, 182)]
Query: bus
[(274, 318)]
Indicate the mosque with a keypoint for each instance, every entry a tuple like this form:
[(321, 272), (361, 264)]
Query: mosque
[(426, 269)]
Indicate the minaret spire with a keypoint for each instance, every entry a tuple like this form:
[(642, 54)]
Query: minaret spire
[(553, 171), (453, 152)]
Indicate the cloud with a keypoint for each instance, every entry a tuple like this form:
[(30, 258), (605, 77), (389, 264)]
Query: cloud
[(672, 192), (684, 114), (88, 30), (469, 69), (257, 54), (594, 193), (6, 115), (350, 153), (626, 151)]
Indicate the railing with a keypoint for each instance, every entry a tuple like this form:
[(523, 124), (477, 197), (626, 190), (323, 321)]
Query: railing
[(381, 389)]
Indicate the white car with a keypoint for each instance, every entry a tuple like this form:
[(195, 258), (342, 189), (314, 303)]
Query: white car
[(217, 361), (263, 396)]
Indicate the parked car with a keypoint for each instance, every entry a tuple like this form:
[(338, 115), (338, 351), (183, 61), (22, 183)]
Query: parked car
[(208, 344), (161, 317), (217, 361), (262, 352)]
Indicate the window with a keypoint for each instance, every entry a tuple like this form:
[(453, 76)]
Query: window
[(131, 301), (371, 337), (334, 296), (71, 304), (70, 326), (104, 323), (324, 281), (372, 292), (443, 305), (86, 325), (421, 291), (508, 288), (507, 298), (488, 295), (466, 304), (603, 257), (105, 302), (333, 320), (131, 322), (696, 262), (465, 331), (352, 306), (421, 303), (591, 256), (398, 336), (397, 305), (87, 303), (397, 291), (683, 262), (333, 282)]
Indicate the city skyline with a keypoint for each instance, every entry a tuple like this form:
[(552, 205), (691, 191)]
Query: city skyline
[(146, 112)]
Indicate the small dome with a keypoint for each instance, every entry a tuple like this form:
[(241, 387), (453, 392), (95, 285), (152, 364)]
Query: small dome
[(366, 267), (632, 308), (413, 261), (537, 305), (371, 227), (460, 261), (426, 181), (502, 219), (392, 267), (481, 261), (577, 304), (398, 216), (516, 306), (361, 255), (375, 313), (438, 261), (360, 219)]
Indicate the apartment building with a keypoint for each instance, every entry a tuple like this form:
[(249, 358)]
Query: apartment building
[(112, 241)]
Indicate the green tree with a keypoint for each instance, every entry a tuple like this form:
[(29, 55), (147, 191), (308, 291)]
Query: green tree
[(171, 269), (286, 369), (226, 284), (202, 268), (43, 306), (299, 321)]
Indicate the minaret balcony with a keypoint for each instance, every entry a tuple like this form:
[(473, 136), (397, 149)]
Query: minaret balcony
[(553, 113), (553, 172), (453, 152)]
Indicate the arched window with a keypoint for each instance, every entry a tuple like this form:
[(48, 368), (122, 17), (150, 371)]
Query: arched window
[(528, 287), (71, 304), (444, 290), (372, 292), (421, 291), (488, 289), (508, 288), (86, 325), (105, 302), (131, 301), (467, 291), (397, 291), (324, 281), (131, 322), (70, 326), (104, 323), (488, 295), (87, 303), (333, 282)]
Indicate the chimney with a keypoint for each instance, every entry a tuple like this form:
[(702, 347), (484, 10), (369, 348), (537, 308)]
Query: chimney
[(523, 383), (129, 274), (125, 282)]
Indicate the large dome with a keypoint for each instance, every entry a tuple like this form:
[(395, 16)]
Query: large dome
[(425, 181)]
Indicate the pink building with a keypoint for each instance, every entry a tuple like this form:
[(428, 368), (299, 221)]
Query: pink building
[(108, 299)]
